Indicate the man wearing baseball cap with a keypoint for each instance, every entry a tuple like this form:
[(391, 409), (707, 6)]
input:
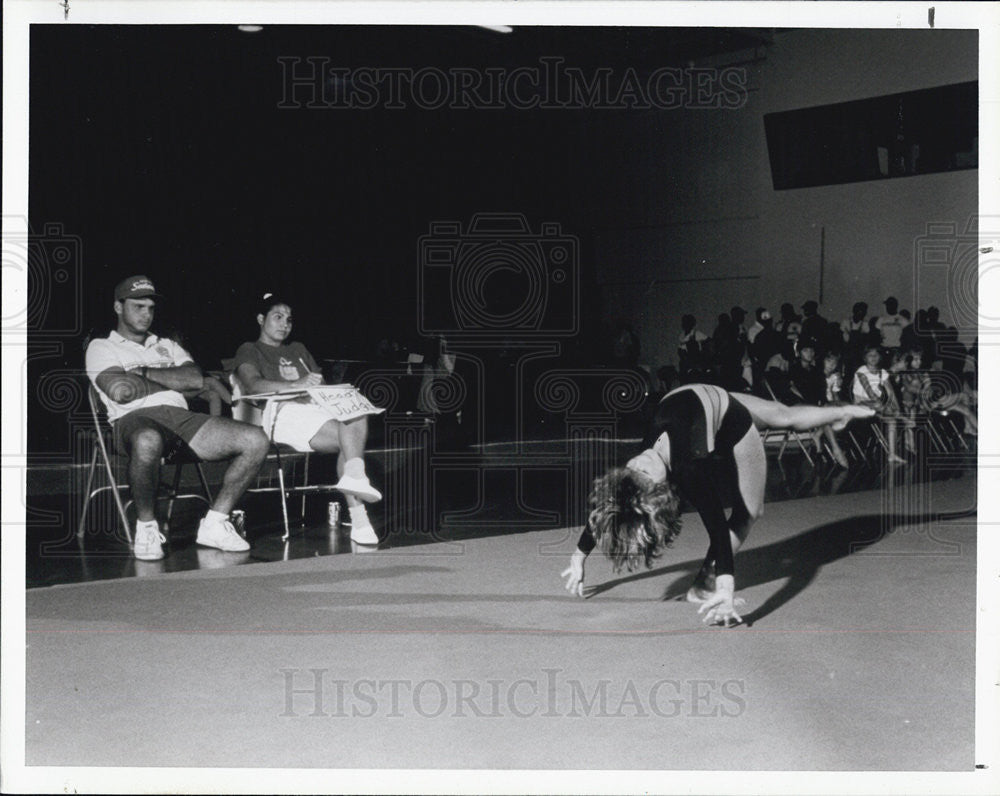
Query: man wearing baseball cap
[(140, 379)]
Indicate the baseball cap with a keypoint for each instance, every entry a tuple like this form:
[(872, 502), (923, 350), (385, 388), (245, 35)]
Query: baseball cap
[(135, 287)]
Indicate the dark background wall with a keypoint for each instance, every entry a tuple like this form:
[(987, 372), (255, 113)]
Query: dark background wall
[(706, 230), (163, 150)]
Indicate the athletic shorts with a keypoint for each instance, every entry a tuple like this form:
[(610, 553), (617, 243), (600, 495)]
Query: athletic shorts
[(296, 423), (176, 426)]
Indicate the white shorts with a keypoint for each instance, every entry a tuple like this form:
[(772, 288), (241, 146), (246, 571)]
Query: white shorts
[(297, 423)]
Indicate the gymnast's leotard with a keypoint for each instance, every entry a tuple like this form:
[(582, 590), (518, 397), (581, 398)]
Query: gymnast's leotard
[(694, 431)]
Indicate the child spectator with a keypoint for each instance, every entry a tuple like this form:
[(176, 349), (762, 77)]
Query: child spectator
[(808, 383), (872, 387), (833, 373)]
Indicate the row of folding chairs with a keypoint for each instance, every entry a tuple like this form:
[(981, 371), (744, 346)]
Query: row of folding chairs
[(866, 440), (284, 473)]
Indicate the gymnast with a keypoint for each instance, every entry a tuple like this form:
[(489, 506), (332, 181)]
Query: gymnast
[(703, 445)]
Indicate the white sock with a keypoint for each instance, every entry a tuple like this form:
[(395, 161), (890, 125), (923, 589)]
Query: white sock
[(216, 516), (355, 468), (359, 517), (147, 525)]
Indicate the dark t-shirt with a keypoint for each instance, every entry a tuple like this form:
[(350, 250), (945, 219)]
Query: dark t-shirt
[(277, 363), (809, 382)]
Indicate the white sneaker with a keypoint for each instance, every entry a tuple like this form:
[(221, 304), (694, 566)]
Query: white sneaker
[(361, 488), (148, 544), (221, 535), (364, 534)]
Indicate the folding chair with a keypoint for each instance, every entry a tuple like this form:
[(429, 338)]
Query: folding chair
[(784, 434), (282, 457), (101, 455), (941, 423)]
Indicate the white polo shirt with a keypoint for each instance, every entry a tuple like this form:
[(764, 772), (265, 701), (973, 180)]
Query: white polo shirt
[(115, 351)]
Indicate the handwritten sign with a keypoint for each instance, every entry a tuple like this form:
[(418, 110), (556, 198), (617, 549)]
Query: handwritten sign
[(343, 402)]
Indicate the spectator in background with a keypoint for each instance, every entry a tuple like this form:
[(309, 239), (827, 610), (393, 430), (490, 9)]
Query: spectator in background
[(625, 355), (789, 326), (813, 325), (972, 358), (915, 335), (808, 384), (832, 340), (438, 366), (890, 326), (140, 378), (833, 373), (968, 400), (729, 350), (951, 352), (666, 380), (775, 383), (766, 342), (275, 363), (739, 316), (872, 387), (855, 330), (387, 352), (914, 390), (691, 350), (934, 329), (757, 326), (625, 346)]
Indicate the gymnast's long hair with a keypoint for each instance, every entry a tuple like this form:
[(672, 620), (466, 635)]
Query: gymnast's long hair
[(632, 518)]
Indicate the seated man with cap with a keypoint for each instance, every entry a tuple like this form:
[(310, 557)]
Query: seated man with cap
[(140, 379)]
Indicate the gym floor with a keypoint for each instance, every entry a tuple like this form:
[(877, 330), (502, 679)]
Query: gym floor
[(460, 649)]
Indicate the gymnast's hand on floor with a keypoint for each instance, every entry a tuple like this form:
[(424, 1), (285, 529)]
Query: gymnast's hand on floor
[(720, 608), (574, 574)]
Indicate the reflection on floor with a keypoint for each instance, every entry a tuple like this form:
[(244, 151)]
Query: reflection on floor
[(469, 496)]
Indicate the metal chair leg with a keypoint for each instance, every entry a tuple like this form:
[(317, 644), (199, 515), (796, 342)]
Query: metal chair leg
[(89, 495), (305, 482), (877, 432), (803, 449), (114, 491), (172, 496), (284, 501)]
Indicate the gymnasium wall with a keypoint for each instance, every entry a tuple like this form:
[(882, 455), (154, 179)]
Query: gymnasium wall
[(709, 231)]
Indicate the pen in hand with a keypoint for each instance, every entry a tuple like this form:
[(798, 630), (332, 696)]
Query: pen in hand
[(309, 371)]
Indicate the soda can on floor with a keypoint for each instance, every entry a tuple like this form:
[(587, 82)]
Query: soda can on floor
[(333, 514), (238, 518)]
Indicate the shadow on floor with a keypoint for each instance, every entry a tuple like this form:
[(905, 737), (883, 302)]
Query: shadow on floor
[(798, 559)]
